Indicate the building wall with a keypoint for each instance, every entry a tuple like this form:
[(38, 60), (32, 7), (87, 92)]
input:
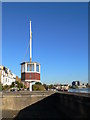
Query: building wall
[(30, 76), (76, 83), (26, 67), (6, 76)]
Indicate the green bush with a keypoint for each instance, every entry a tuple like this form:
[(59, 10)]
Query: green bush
[(6, 87), (37, 87)]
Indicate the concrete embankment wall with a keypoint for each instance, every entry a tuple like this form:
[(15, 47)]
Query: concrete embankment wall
[(20, 100), (72, 105)]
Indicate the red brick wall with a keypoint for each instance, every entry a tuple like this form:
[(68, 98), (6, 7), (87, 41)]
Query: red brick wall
[(22, 76), (30, 76)]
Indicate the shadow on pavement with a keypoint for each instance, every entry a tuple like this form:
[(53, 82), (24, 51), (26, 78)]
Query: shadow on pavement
[(42, 110)]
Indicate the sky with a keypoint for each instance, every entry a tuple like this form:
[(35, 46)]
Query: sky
[(59, 35), (89, 43)]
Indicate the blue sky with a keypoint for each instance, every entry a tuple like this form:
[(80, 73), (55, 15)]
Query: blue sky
[(59, 34)]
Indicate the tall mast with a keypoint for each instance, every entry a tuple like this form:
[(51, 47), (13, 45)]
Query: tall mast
[(30, 43)]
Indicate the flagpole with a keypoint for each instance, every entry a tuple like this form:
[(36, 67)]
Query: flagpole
[(30, 43)]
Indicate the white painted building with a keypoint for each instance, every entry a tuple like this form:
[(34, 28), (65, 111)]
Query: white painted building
[(6, 76)]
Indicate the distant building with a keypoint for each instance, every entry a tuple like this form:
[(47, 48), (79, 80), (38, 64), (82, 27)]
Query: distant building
[(62, 87), (58, 87), (6, 76), (76, 83)]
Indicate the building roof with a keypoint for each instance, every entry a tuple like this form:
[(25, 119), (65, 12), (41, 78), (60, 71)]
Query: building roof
[(29, 62)]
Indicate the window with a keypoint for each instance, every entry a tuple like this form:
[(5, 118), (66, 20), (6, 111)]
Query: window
[(37, 68), (30, 67), (23, 68)]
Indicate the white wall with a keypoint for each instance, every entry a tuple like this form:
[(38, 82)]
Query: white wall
[(7, 79)]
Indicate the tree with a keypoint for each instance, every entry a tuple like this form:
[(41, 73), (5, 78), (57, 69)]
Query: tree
[(45, 86), (74, 86), (25, 87), (38, 83), (6, 87), (16, 82), (70, 86), (20, 85), (12, 85), (50, 86), (88, 85)]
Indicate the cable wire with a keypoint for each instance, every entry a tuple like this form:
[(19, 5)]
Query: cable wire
[(26, 52)]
